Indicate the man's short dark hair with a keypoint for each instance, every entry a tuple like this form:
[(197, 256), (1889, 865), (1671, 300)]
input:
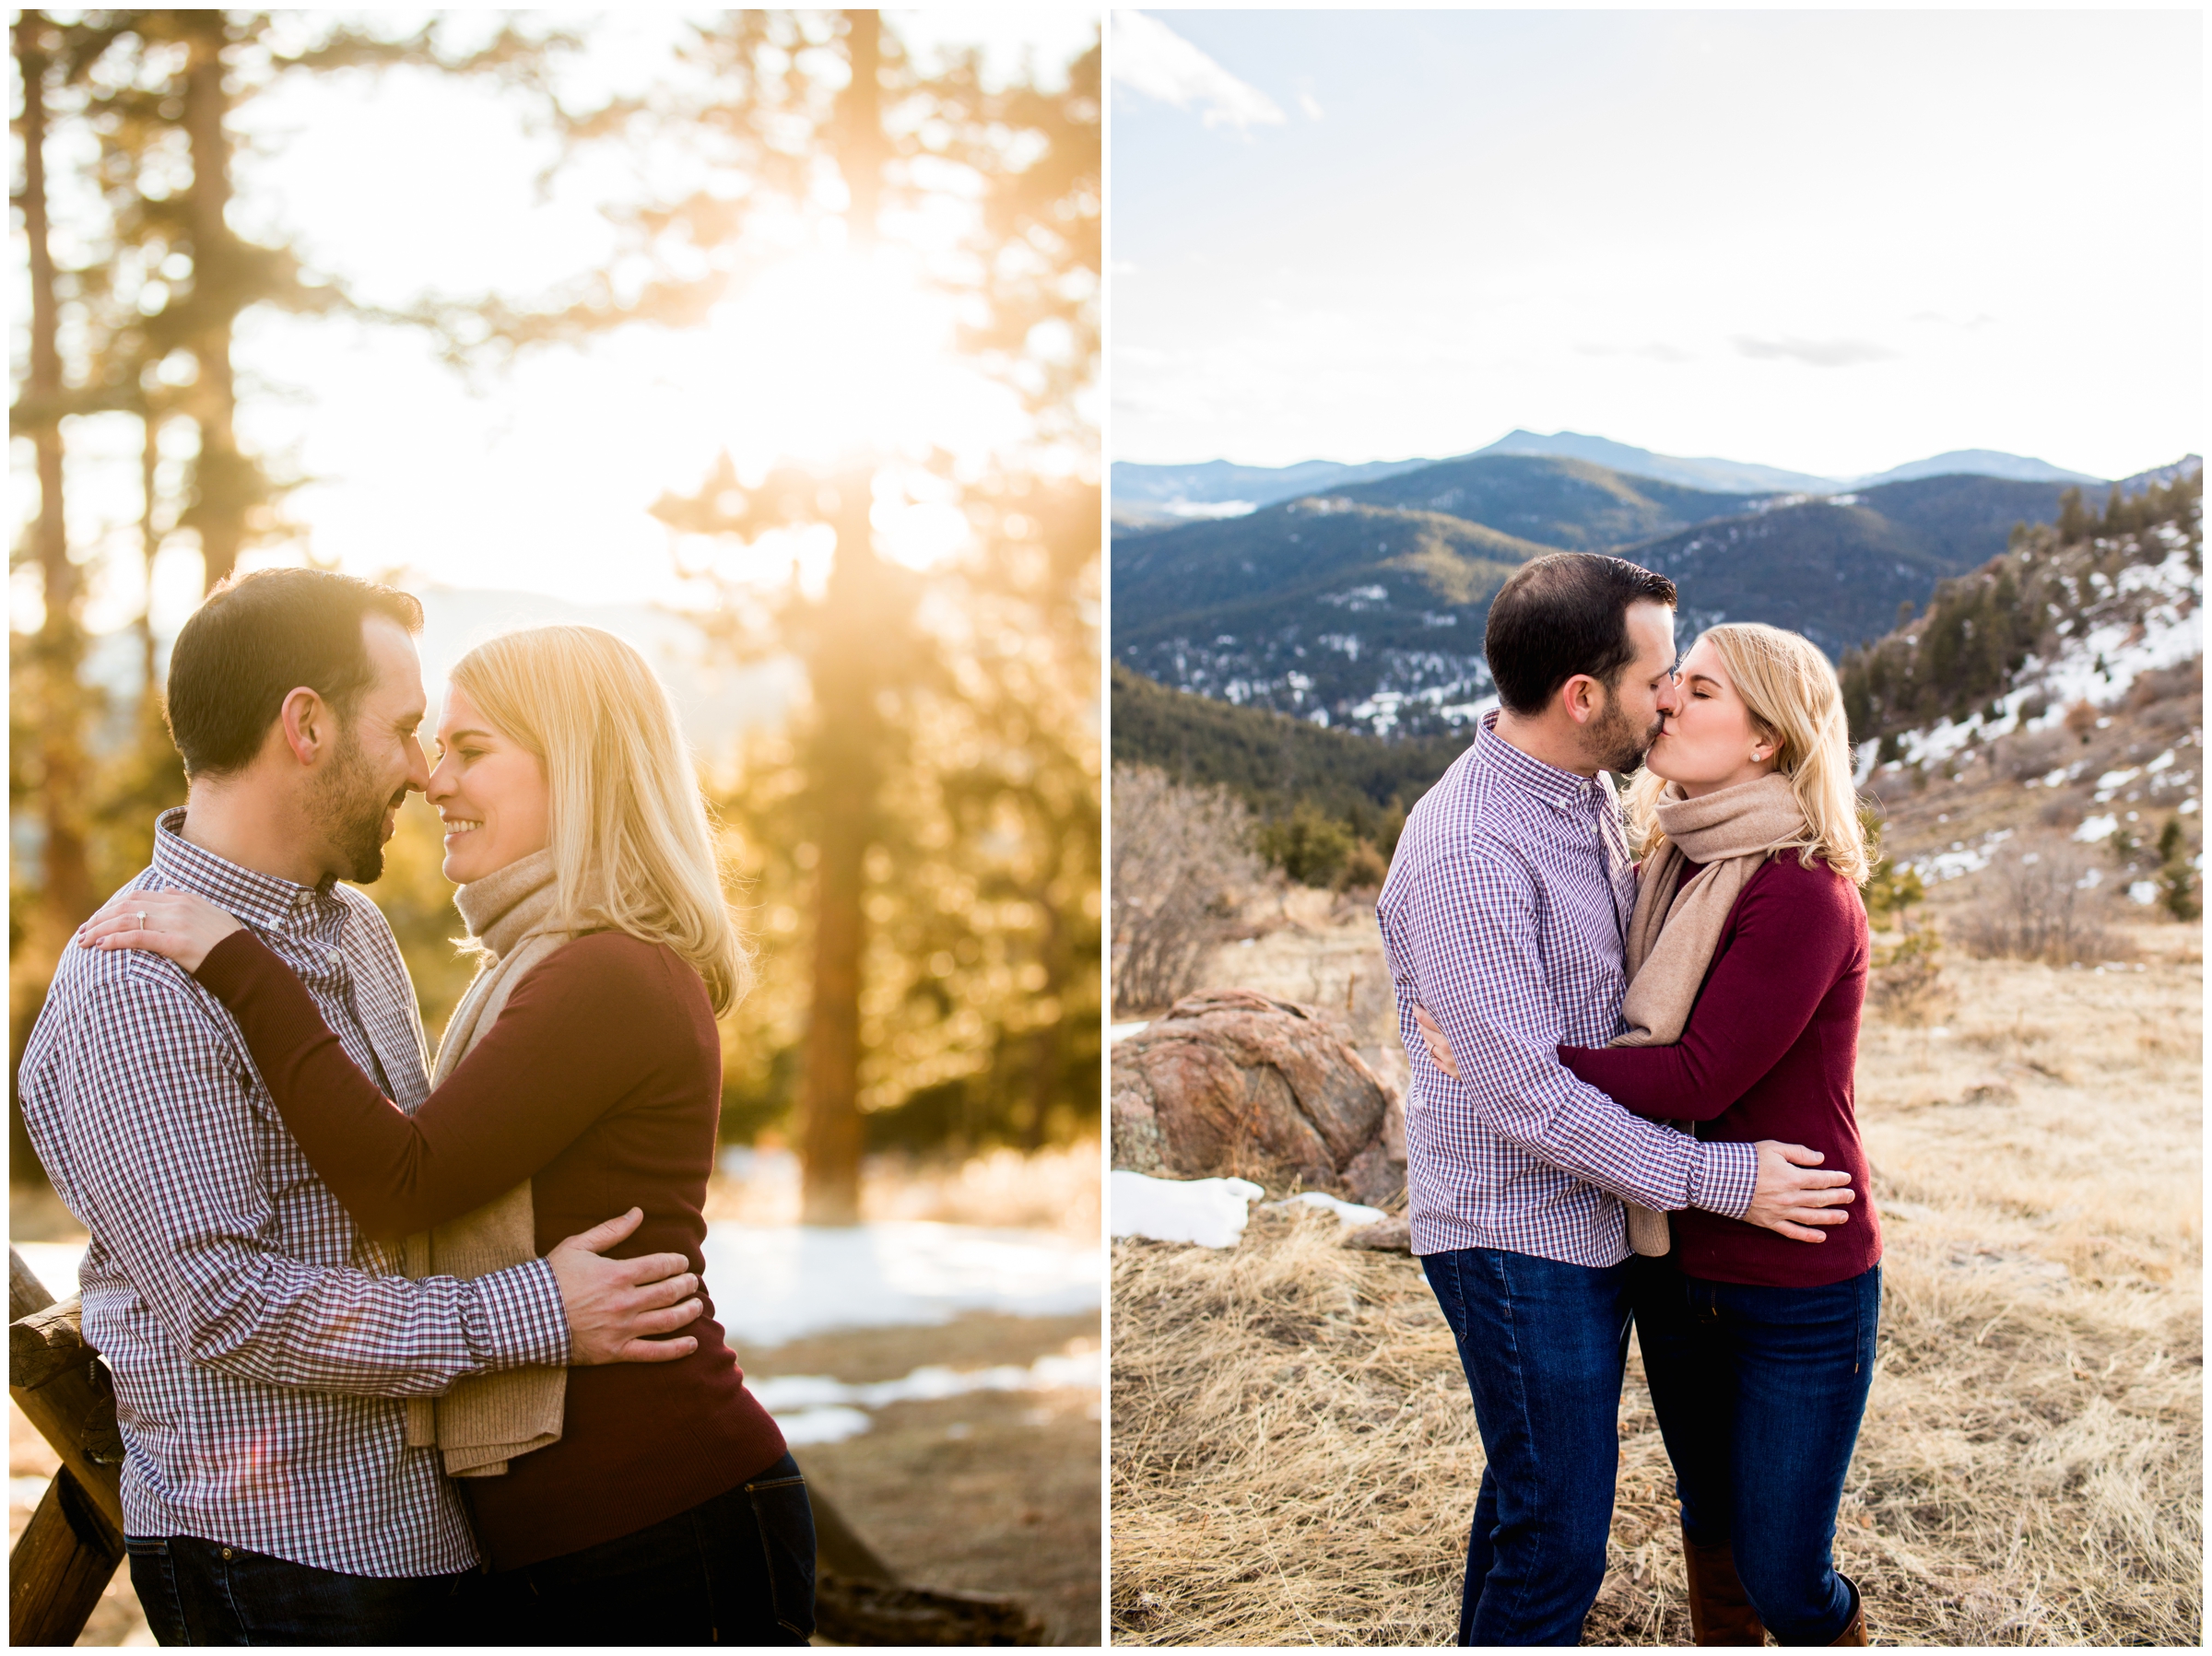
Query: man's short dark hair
[(256, 640), (1564, 615)]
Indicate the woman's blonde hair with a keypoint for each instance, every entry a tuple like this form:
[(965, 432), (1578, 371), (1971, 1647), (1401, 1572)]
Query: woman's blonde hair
[(632, 847), (1794, 702)]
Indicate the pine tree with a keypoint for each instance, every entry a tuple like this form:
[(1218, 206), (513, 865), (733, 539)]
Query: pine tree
[(47, 703), (874, 782), (2075, 524)]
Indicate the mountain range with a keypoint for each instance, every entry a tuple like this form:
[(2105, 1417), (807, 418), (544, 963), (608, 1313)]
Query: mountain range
[(1172, 490), (2055, 689), (1363, 605)]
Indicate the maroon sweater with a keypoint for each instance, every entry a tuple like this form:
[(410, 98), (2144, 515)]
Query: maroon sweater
[(1768, 1052), (600, 1083)]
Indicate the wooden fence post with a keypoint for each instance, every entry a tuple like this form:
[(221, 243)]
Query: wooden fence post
[(75, 1541)]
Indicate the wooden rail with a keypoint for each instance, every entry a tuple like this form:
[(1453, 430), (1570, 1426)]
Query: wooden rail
[(75, 1541)]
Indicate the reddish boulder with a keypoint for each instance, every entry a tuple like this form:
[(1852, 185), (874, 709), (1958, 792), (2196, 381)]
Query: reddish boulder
[(1232, 1082)]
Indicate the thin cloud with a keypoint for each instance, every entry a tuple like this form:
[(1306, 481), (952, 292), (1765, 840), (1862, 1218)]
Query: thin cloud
[(1152, 61), (1656, 350), (1309, 103), (1814, 353)]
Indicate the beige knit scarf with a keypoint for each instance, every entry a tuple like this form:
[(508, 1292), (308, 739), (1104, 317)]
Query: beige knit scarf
[(1676, 926), (488, 1419)]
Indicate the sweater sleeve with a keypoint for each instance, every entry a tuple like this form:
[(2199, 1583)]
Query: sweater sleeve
[(577, 1034), (1789, 940)]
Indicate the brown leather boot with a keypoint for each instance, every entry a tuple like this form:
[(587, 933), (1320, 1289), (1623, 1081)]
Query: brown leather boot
[(1854, 1630), (1720, 1612)]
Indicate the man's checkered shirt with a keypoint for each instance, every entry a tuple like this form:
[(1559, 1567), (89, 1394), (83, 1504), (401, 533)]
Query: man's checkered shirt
[(1504, 911), (260, 1347)]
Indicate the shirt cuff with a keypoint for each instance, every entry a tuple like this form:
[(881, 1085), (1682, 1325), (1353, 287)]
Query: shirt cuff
[(522, 1325), (1723, 1176)]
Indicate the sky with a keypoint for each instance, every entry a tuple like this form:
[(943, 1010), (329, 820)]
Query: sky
[(538, 479), (1829, 241)]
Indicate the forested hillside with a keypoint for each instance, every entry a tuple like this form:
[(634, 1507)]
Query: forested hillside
[(1838, 568), (2068, 616), (1570, 505), (1319, 607), (1285, 768), (1364, 606)]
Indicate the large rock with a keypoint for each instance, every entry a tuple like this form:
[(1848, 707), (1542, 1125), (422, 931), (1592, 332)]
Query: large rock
[(1232, 1082)]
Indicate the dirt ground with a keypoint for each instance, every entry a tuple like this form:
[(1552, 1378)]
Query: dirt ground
[(990, 1492), (1295, 1459)]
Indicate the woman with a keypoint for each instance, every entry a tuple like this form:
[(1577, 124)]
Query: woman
[(649, 1502), (1748, 957)]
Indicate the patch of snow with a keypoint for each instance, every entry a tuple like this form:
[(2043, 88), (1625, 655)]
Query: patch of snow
[(2094, 828), (1211, 1213), (820, 1425), (2142, 892), (1350, 1213), (773, 1283), (1208, 509), (1961, 859), (813, 1408), (53, 1263), (1123, 1032)]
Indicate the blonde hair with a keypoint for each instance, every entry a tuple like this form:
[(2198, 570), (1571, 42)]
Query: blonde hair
[(632, 847), (1794, 702)]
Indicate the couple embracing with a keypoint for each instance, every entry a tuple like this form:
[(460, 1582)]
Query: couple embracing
[(1632, 1100), (405, 1353)]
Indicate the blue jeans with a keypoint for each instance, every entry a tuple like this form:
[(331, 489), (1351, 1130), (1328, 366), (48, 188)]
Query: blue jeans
[(1543, 1345), (202, 1593), (737, 1569), (1759, 1392)]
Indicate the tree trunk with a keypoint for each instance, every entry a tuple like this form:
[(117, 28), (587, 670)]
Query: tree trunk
[(64, 883), (844, 768), (149, 548), (223, 481)]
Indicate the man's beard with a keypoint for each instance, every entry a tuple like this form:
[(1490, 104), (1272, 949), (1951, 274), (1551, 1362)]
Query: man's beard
[(349, 807), (1614, 742)]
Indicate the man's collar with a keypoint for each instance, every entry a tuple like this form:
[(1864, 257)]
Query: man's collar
[(263, 901), (1547, 782)]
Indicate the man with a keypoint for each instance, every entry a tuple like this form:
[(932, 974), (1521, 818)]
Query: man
[(1504, 916), (261, 1347)]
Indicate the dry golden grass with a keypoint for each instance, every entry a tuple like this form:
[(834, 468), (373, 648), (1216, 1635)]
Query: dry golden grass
[(1295, 1459)]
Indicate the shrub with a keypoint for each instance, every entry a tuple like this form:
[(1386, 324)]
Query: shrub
[(1908, 986), (2040, 901), (1180, 857), (2178, 885), (1364, 870), (1890, 891), (1308, 845)]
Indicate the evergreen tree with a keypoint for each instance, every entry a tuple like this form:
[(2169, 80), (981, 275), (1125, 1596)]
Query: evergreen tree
[(2074, 523), (776, 98)]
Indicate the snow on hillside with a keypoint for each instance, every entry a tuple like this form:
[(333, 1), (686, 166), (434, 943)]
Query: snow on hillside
[(2152, 617), (2147, 618)]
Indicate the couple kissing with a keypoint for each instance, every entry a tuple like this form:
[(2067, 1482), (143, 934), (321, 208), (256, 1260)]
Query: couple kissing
[(1631, 1099)]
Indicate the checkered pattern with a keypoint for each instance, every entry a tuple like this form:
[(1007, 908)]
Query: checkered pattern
[(1504, 912), (260, 1344)]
